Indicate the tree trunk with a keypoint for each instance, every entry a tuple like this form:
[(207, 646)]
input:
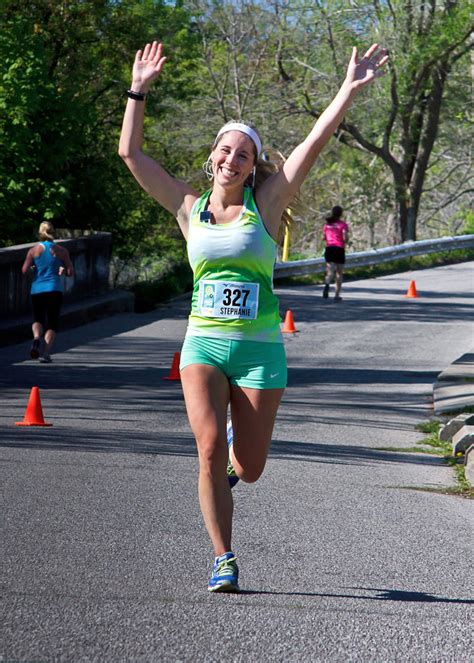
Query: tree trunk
[(411, 223), (425, 144)]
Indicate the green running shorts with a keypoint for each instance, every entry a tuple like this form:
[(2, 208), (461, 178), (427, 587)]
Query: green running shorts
[(250, 364)]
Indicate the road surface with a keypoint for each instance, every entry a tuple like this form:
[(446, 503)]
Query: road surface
[(344, 554)]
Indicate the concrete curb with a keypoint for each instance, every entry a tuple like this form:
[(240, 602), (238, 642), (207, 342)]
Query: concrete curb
[(454, 387), (447, 432), (454, 391), (469, 465), (463, 439)]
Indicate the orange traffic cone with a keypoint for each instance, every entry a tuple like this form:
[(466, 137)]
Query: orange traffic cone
[(411, 292), (34, 411), (289, 325), (174, 371)]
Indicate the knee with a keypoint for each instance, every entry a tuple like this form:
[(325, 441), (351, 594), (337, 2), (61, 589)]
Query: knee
[(249, 473), (211, 456)]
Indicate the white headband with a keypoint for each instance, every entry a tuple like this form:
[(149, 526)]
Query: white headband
[(243, 128)]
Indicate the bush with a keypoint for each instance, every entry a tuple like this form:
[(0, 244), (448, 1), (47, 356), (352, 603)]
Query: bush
[(148, 294)]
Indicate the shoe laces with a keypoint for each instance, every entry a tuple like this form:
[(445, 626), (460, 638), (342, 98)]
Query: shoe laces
[(230, 469), (223, 567)]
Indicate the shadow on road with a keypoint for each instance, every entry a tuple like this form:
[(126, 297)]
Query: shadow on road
[(383, 595), (142, 441), (301, 376), (310, 307), (341, 454)]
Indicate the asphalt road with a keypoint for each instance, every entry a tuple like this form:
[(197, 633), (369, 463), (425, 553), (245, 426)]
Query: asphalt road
[(342, 558)]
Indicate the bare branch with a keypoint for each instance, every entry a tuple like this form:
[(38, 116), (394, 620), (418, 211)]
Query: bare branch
[(393, 111), (254, 75), (332, 46), (279, 62), (445, 203), (446, 177), (305, 65)]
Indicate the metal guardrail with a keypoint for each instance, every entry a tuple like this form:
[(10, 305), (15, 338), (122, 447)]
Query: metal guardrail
[(376, 256)]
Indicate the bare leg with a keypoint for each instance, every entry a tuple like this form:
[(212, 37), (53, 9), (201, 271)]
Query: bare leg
[(253, 416), (37, 329), (49, 339), (206, 393), (328, 279), (339, 271), (329, 273)]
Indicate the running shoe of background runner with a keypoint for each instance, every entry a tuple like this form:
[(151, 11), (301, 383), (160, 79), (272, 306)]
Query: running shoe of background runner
[(35, 349), (225, 574)]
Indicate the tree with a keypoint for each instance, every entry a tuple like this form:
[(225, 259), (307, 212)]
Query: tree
[(400, 125), (65, 67)]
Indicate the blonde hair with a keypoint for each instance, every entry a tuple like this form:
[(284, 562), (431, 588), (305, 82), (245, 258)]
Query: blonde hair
[(267, 164), (46, 231), (265, 167)]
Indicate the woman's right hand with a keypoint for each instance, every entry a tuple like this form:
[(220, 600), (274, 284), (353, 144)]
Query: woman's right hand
[(147, 66)]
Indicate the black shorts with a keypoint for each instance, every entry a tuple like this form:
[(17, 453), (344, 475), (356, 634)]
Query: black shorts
[(335, 254), (46, 309)]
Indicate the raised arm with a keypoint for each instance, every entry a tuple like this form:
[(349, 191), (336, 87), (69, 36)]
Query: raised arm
[(276, 192), (175, 196)]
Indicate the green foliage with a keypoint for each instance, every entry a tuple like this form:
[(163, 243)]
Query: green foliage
[(468, 228), (65, 66), (66, 63), (176, 280), (416, 186)]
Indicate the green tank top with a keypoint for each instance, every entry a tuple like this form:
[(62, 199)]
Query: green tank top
[(233, 265)]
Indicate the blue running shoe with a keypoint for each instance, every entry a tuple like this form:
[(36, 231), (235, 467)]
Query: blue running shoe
[(225, 574), (231, 475)]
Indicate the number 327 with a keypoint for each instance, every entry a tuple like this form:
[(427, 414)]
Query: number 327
[(232, 297)]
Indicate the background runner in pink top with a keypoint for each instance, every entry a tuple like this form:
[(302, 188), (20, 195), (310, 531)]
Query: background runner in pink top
[(336, 232)]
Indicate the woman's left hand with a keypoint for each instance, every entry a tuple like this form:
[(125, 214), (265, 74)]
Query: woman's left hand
[(363, 71)]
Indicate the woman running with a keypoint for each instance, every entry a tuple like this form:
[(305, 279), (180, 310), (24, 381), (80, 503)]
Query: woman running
[(233, 352), (49, 261), (336, 233)]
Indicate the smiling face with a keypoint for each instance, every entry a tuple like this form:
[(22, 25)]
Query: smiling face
[(233, 159)]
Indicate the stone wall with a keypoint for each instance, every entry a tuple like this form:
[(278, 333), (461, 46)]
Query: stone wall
[(90, 257)]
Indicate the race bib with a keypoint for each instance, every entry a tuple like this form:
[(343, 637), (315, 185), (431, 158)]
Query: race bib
[(228, 299)]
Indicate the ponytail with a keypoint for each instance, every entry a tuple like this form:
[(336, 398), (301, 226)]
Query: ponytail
[(336, 214), (46, 231)]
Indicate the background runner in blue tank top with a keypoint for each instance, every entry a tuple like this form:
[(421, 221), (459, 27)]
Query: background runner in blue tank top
[(233, 345), (48, 261)]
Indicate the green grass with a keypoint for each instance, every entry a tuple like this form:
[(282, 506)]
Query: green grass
[(431, 444), (429, 427), (444, 449)]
